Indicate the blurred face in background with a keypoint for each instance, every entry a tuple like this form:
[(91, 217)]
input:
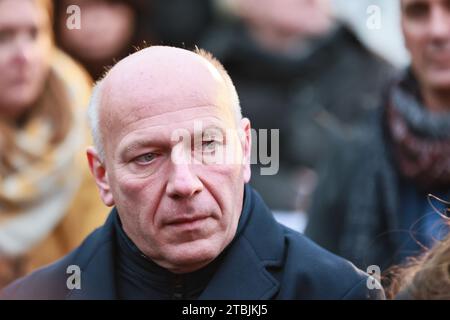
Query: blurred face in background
[(306, 18), (426, 27), (25, 47), (107, 27)]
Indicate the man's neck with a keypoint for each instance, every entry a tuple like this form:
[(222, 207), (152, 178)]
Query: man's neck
[(437, 100)]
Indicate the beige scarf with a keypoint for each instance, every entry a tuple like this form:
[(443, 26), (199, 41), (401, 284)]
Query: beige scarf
[(37, 192)]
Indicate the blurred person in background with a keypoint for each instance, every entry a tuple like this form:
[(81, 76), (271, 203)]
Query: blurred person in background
[(112, 29), (298, 70), (373, 208), (108, 31), (48, 201)]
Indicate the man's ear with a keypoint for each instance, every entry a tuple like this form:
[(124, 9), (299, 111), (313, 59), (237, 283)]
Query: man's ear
[(246, 147), (100, 175)]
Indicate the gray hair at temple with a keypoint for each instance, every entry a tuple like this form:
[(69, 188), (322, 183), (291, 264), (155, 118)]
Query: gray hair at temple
[(96, 100)]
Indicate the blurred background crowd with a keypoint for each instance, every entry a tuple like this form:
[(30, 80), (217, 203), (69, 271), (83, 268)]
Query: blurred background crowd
[(359, 91)]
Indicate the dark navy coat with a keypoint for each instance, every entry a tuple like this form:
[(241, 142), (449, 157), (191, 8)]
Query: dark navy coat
[(265, 261)]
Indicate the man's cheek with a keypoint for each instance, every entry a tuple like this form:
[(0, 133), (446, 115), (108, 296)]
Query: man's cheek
[(225, 173), (142, 194), (132, 186)]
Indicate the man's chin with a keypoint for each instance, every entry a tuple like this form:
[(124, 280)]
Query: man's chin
[(190, 257)]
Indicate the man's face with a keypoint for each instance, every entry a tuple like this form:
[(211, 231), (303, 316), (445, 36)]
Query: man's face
[(426, 27), (25, 44), (182, 213)]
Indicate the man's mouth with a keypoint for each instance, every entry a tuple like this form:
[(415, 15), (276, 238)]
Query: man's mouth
[(187, 220), (442, 60), (440, 57)]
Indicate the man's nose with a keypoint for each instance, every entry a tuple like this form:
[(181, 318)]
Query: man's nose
[(439, 24), (183, 182)]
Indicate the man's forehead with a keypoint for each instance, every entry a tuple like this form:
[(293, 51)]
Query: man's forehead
[(163, 79)]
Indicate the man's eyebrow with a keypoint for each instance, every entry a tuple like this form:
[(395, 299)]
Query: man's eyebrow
[(214, 127), (209, 130), (138, 144)]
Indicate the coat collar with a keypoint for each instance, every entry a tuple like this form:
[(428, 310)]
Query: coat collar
[(258, 246), (96, 261), (243, 273)]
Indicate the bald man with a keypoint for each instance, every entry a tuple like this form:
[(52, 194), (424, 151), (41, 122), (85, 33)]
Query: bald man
[(171, 157)]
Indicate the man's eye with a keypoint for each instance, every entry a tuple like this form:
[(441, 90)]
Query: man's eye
[(145, 158), (209, 145)]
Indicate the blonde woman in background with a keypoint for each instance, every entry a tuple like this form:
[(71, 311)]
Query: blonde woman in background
[(48, 202)]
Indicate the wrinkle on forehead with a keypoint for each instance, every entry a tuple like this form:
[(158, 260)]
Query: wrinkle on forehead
[(175, 116)]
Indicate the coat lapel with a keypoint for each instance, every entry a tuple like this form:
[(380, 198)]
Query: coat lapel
[(96, 262), (242, 276)]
